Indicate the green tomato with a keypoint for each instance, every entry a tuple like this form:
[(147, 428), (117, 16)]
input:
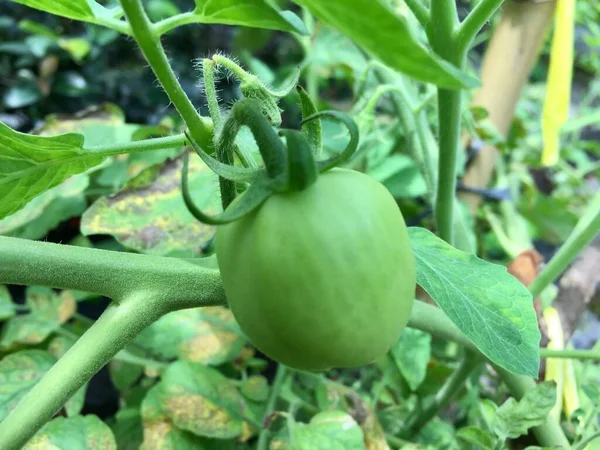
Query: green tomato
[(323, 277)]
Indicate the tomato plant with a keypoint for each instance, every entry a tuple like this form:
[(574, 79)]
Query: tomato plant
[(265, 289)]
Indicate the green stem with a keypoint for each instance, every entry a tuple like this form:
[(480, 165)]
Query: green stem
[(117, 326), (178, 140), (114, 24), (419, 10), (583, 444), (191, 282), (570, 354), (210, 90), (149, 42), (474, 22), (170, 23), (280, 376), (450, 388), (548, 435), (586, 230)]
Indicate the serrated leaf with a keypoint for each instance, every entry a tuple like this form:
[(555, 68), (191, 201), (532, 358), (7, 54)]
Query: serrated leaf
[(48, 311), (19, 372), (491, 307), (477, 437), (513, 418), (58, 347), (249, 13), (199, 399), (7, 307), (30, 165), (411, 353), (80, 432), (376, 28), (154, 219), (205, 335)]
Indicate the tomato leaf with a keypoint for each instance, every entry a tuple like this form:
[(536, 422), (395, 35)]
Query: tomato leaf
[(199, 399), (513, 418), (74, 432), (84, 10), (19, 372), (152, 217), (477, 437), (7, 307), (249, 13), (376, 28), (411, 353), (490, 306), (127, 429), (159, 430)]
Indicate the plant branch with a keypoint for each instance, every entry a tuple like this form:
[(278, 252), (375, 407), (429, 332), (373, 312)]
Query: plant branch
[(280, 376), (178, 140), (570, 354), (149, 42), (164, 26), (474, 22), (114, 24), (453, 384), (585, 231), (117, 326), (180, 283), (419, 10)]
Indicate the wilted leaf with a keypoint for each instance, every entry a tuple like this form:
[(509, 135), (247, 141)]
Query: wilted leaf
[(80, 432), (490, 306), (48, 311), (205, 335), (513, 418), (411, 353), (19, 372), (199, 399), (154, 219), (365, 416)]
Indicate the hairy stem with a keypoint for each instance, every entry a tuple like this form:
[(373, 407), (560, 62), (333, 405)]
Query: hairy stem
[(190, 282), (149, 42), (111, 332), (170, 23), (177, 140), (453, 384)]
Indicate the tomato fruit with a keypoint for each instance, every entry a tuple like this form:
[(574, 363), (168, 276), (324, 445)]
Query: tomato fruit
[(323, 277)]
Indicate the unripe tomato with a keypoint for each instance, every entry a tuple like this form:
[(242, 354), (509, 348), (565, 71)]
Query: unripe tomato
[(323, 277)]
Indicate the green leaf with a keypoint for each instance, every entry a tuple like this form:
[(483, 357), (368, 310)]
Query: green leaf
[(255, 388), (513, 418), (123, 375), (199, 399), (401, 176), (376, 28), (7, 307), (47, 210), (490, 306), (204, 335), (30, 165), (19, 372), (411, 353), (84, 10), (80, 432), (154, 219), (48, 311), (161, 434), (127, 429), (249, 13), (477, 437), (329, 430), (58, 347)]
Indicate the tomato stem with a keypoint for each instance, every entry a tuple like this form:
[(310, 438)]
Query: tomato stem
[(301, 167), (280, 376)]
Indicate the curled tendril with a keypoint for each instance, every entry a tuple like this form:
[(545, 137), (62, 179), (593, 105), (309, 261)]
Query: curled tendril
[(351, 147), (255, 196)]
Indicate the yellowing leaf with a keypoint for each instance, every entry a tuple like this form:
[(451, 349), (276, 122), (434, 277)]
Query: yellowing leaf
[(560, 73)]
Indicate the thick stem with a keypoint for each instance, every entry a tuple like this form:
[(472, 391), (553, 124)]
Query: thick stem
[(149, 42), (113, 274), (111, 332), (280, 376), (450, 388), (548, 435), (586, 230)]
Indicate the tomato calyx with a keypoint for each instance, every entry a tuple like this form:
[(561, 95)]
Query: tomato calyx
[(288, 167)]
